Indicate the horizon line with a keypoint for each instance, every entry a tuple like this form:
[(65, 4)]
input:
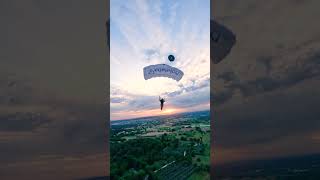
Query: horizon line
[(160, 115)]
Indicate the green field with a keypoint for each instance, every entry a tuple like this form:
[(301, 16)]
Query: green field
[(164, 148), (200, 175)]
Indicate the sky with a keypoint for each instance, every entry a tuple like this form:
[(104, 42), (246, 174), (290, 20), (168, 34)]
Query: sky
[(144, 32), (53, 89), (266, 93)]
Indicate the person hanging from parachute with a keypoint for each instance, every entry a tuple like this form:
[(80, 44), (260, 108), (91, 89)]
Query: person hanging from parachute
[(162, 70), (161, 102), (222, 40)]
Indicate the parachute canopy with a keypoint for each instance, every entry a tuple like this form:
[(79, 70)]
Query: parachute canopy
[(221, 41), (162, 70)]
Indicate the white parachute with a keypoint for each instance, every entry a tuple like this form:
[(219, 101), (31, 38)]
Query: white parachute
[(162, 70)]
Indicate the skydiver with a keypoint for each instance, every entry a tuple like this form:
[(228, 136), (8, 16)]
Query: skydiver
[(161, 102)]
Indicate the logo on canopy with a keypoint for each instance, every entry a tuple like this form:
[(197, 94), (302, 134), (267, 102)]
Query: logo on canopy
[(162, 70)]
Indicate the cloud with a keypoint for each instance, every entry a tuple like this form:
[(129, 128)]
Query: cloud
[(227, 76), (145, 34), (265, 93), (52, 89), (151, 53), (194, 86), (266, 118), (23, 121), (143, 103), (54, 127), (266, 61), (117, 100), (190, 97), (221, 97), (307, 68)]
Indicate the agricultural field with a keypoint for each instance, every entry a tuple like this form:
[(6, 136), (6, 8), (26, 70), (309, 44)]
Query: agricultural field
[(164, 147)]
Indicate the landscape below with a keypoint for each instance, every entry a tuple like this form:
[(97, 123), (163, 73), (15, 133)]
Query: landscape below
[(163, 147)]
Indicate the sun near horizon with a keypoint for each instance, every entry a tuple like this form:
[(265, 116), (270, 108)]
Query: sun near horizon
[(147, 38), (157, 112), (148, 113)]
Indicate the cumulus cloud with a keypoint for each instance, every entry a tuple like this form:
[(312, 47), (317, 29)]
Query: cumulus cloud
[(146, 33)]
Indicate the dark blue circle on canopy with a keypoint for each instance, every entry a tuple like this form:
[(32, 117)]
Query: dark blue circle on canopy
[(171, 58)]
